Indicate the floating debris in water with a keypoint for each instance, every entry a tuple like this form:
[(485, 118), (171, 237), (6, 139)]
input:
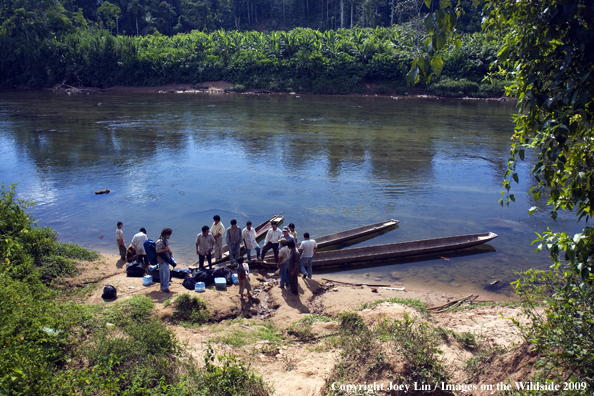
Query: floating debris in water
[(102, 191)]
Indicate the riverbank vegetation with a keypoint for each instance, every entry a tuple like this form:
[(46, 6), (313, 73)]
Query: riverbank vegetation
[(55, 44), (545, 55), (53, 345)]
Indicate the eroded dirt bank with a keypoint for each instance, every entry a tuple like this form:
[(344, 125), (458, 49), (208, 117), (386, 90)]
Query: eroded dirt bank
[(301, 360)]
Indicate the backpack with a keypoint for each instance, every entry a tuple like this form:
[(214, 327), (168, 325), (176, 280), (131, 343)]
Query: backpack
[(135, 269), (150, 247), (109, 293), (130, 254), (189, 283)]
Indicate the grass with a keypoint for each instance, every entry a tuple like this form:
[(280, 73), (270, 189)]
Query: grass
[(190, 309), (302, 329), (369, 351), (239, 337), (475, 365), (416, 304)]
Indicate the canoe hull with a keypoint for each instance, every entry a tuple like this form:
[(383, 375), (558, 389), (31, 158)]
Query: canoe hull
[(348, 235), (397, 250)]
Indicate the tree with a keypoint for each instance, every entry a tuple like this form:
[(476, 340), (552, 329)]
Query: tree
[(109, 14), (547, 55)]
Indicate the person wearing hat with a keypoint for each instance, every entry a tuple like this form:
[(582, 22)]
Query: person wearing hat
[(283, 261), (287, 235)]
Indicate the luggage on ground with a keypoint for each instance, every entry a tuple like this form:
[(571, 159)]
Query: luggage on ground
[(109, 292), (135, 269), (189, 283)]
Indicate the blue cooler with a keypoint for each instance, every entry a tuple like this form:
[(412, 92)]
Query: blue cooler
[(221, 283), (147, 280), (199, 287), (235, 279)]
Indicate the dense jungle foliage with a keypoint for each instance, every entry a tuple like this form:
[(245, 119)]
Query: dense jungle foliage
[(45, 44), (546, 54), (52, 345)]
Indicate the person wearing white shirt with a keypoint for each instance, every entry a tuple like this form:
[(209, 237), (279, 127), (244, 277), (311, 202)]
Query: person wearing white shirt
[(138, 243), (249, 240), (218, 229), (271, 242), (308, 248)]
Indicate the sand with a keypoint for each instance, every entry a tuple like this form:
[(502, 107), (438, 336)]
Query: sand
[(295, 367)]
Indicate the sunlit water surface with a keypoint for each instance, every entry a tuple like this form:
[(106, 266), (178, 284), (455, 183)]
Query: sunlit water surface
[(331, 163)]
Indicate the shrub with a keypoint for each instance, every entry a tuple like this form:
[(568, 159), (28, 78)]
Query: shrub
[(230, 377), (351, 322), (453, 88), (190, 309)]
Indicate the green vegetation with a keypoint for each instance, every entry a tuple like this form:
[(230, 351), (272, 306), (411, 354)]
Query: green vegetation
[(302, 329), (230, 377), (418, 305), (546, 57), (239, 337), (49, 44), (190, 309), (303, 60), (26, 248), (367, 351), (52, 345)]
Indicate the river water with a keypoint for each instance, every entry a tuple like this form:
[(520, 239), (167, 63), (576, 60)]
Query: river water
[(330, 162)]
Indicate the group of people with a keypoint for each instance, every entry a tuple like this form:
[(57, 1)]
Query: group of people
[(288, 255)]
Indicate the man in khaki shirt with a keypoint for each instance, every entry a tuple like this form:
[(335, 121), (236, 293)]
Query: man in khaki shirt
[(217, 229)]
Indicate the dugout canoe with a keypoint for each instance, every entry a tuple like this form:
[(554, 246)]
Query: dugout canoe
[(396, 250), (261, 231), (332, 240), (348, 235)]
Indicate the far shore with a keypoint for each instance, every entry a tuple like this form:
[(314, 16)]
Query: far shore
[(224, 87)]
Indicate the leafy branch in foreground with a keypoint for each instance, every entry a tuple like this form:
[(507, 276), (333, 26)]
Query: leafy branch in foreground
[(546, 55)]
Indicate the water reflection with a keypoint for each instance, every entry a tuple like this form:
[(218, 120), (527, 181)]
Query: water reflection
[(332, 163)]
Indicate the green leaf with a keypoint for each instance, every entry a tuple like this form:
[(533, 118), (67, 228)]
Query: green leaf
[(515, 177), (532, 210), (437, 65)]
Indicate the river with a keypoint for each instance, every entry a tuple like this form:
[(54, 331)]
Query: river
[(330, 162)]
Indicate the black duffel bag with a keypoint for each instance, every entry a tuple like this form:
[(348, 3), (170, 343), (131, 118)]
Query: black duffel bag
[(189, 283), (223, 272), (135, 269), (201, 275), (154, 274), (179, 273)]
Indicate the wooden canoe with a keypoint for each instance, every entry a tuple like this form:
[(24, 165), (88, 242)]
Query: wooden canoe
[(396, 250), (348, 235), (333, 240), (261, 231)]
